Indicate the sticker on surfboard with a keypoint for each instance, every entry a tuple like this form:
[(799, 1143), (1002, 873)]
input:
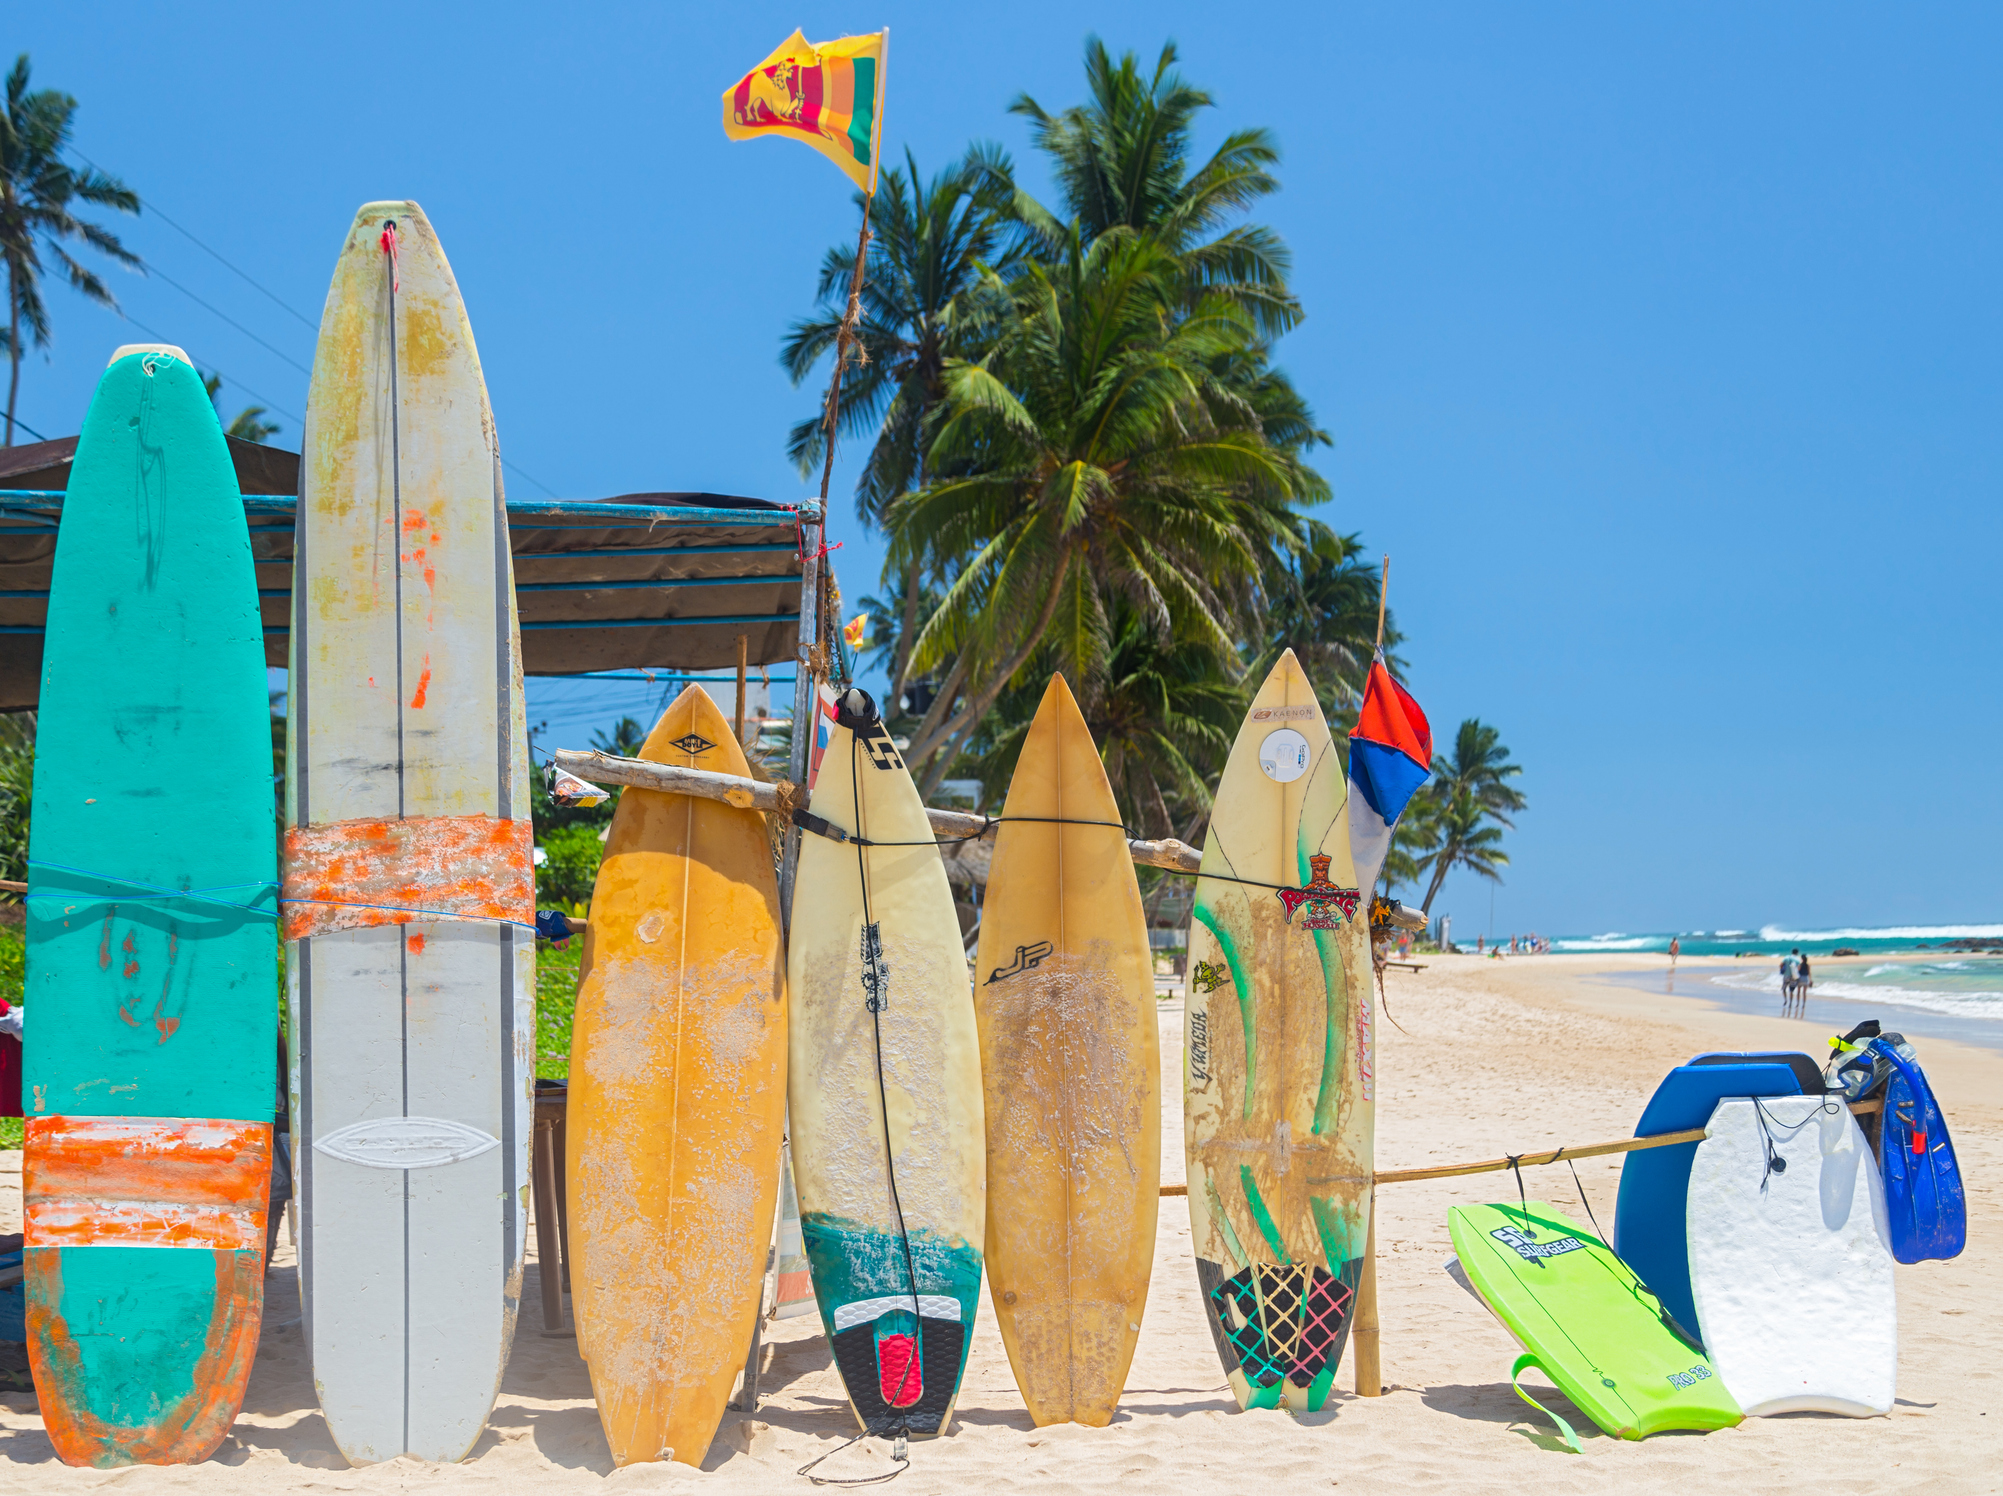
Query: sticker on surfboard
[(1283, 756), (1325, 905)]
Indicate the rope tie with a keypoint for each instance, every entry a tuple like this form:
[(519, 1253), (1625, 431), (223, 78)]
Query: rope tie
[(160, 893), (388, 242)]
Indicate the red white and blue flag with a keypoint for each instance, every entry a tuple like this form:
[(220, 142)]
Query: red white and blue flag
[(1390, 756)]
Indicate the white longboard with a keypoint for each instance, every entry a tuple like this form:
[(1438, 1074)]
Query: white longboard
[(408, 876), (1791, 1259), (885, 1092)]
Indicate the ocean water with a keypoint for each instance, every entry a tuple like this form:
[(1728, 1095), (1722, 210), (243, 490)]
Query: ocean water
[(1777, 940), (1948, 996)]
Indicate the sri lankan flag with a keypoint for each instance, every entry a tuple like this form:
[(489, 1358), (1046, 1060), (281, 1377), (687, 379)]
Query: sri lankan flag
[(828, 95)]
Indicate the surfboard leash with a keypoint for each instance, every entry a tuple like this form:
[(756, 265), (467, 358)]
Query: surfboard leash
[(899, 1451)]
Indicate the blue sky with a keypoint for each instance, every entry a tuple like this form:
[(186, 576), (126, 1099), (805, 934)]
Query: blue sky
[(1659, 344)]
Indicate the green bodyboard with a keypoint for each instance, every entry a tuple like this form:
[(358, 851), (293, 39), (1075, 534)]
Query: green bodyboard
[(152, 960), (1587, 1322)]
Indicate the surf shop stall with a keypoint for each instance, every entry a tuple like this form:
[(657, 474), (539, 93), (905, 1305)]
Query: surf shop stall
[(660, 581)]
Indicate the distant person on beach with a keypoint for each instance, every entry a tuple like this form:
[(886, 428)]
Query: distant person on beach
[(1789, 967), (1675, 949), (1804, 979)]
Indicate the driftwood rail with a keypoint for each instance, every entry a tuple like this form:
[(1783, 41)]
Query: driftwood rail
[(782, 798)]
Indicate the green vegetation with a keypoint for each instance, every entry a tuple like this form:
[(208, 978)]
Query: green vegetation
[(37, 188), (1085, 457), (17, 782), (556, 1003), (13, 953), (571, 855)]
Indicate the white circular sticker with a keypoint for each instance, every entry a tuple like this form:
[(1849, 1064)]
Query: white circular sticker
[(1284, 755)]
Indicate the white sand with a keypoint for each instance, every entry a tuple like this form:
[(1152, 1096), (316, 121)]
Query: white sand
[(1499, 1058)]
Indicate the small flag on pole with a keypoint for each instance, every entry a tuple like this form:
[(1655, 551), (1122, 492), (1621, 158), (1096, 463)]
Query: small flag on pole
[(1390, 756), (828, 95), (853, 630)]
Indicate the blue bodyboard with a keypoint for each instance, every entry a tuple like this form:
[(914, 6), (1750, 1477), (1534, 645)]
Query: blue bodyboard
[(1923, 1194), (1649, 1230)]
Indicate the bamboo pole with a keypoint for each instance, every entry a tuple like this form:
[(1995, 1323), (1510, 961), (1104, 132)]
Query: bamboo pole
[(1369, 1367), (1383, 592), (1561, 1155), (743, 654), (783, 798)]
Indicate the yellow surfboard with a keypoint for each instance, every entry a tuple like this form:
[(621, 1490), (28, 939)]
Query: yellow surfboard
[(1278, 1098), (1071, 1071), (677, 1100)]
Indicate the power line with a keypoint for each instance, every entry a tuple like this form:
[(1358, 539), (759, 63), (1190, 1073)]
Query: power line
[(151, 269), (29, 429), (156, 270), (269, 404), (155, 210)]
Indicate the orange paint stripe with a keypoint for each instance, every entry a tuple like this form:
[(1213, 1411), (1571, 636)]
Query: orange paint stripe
[(357, 874), (145, 1182), (124, 1223)]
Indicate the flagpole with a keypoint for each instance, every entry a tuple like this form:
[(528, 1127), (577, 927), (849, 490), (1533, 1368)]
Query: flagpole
[(1367, 1331), (844, 337), (1383, 587)]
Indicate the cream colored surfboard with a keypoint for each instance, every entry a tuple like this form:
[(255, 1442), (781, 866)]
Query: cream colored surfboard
[(677, 1100), (410, 896), (1071, 1069), (1278, 1095), (885, 1088)]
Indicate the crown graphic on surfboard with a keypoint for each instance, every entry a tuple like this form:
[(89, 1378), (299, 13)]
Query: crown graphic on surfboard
[(1327, 906)]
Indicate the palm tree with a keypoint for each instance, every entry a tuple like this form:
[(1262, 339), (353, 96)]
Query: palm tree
[(249, 425), (1471, 798), (1090, 455), (931, 242), (627, 737), (1321, 602), (1466, 838), (1123, 161), (36, 190), (1164, 719)]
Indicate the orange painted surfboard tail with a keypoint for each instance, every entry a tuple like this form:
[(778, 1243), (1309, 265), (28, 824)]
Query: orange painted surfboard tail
[(144, 1277), (89, 1344)]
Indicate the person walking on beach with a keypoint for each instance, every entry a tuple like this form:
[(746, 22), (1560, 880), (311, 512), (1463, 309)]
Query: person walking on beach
[(1803, 980), (1789, 966), (1675, 948)]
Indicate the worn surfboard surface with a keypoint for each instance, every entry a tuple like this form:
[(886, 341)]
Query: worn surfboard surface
[(885, 1084), (1279, 1108), (410, 896), (1071, 1069), (677, 1100), (151, 947)]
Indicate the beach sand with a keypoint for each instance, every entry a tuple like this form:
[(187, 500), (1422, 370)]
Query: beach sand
[(1494, 1057)]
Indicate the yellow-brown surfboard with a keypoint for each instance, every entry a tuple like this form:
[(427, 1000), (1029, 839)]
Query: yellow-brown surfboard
[(1071, 1070), (1279, 1110), (677, 1100)]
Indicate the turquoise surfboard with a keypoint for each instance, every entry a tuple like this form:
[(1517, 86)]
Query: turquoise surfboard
[(1587, 1322), (151, 1072)]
